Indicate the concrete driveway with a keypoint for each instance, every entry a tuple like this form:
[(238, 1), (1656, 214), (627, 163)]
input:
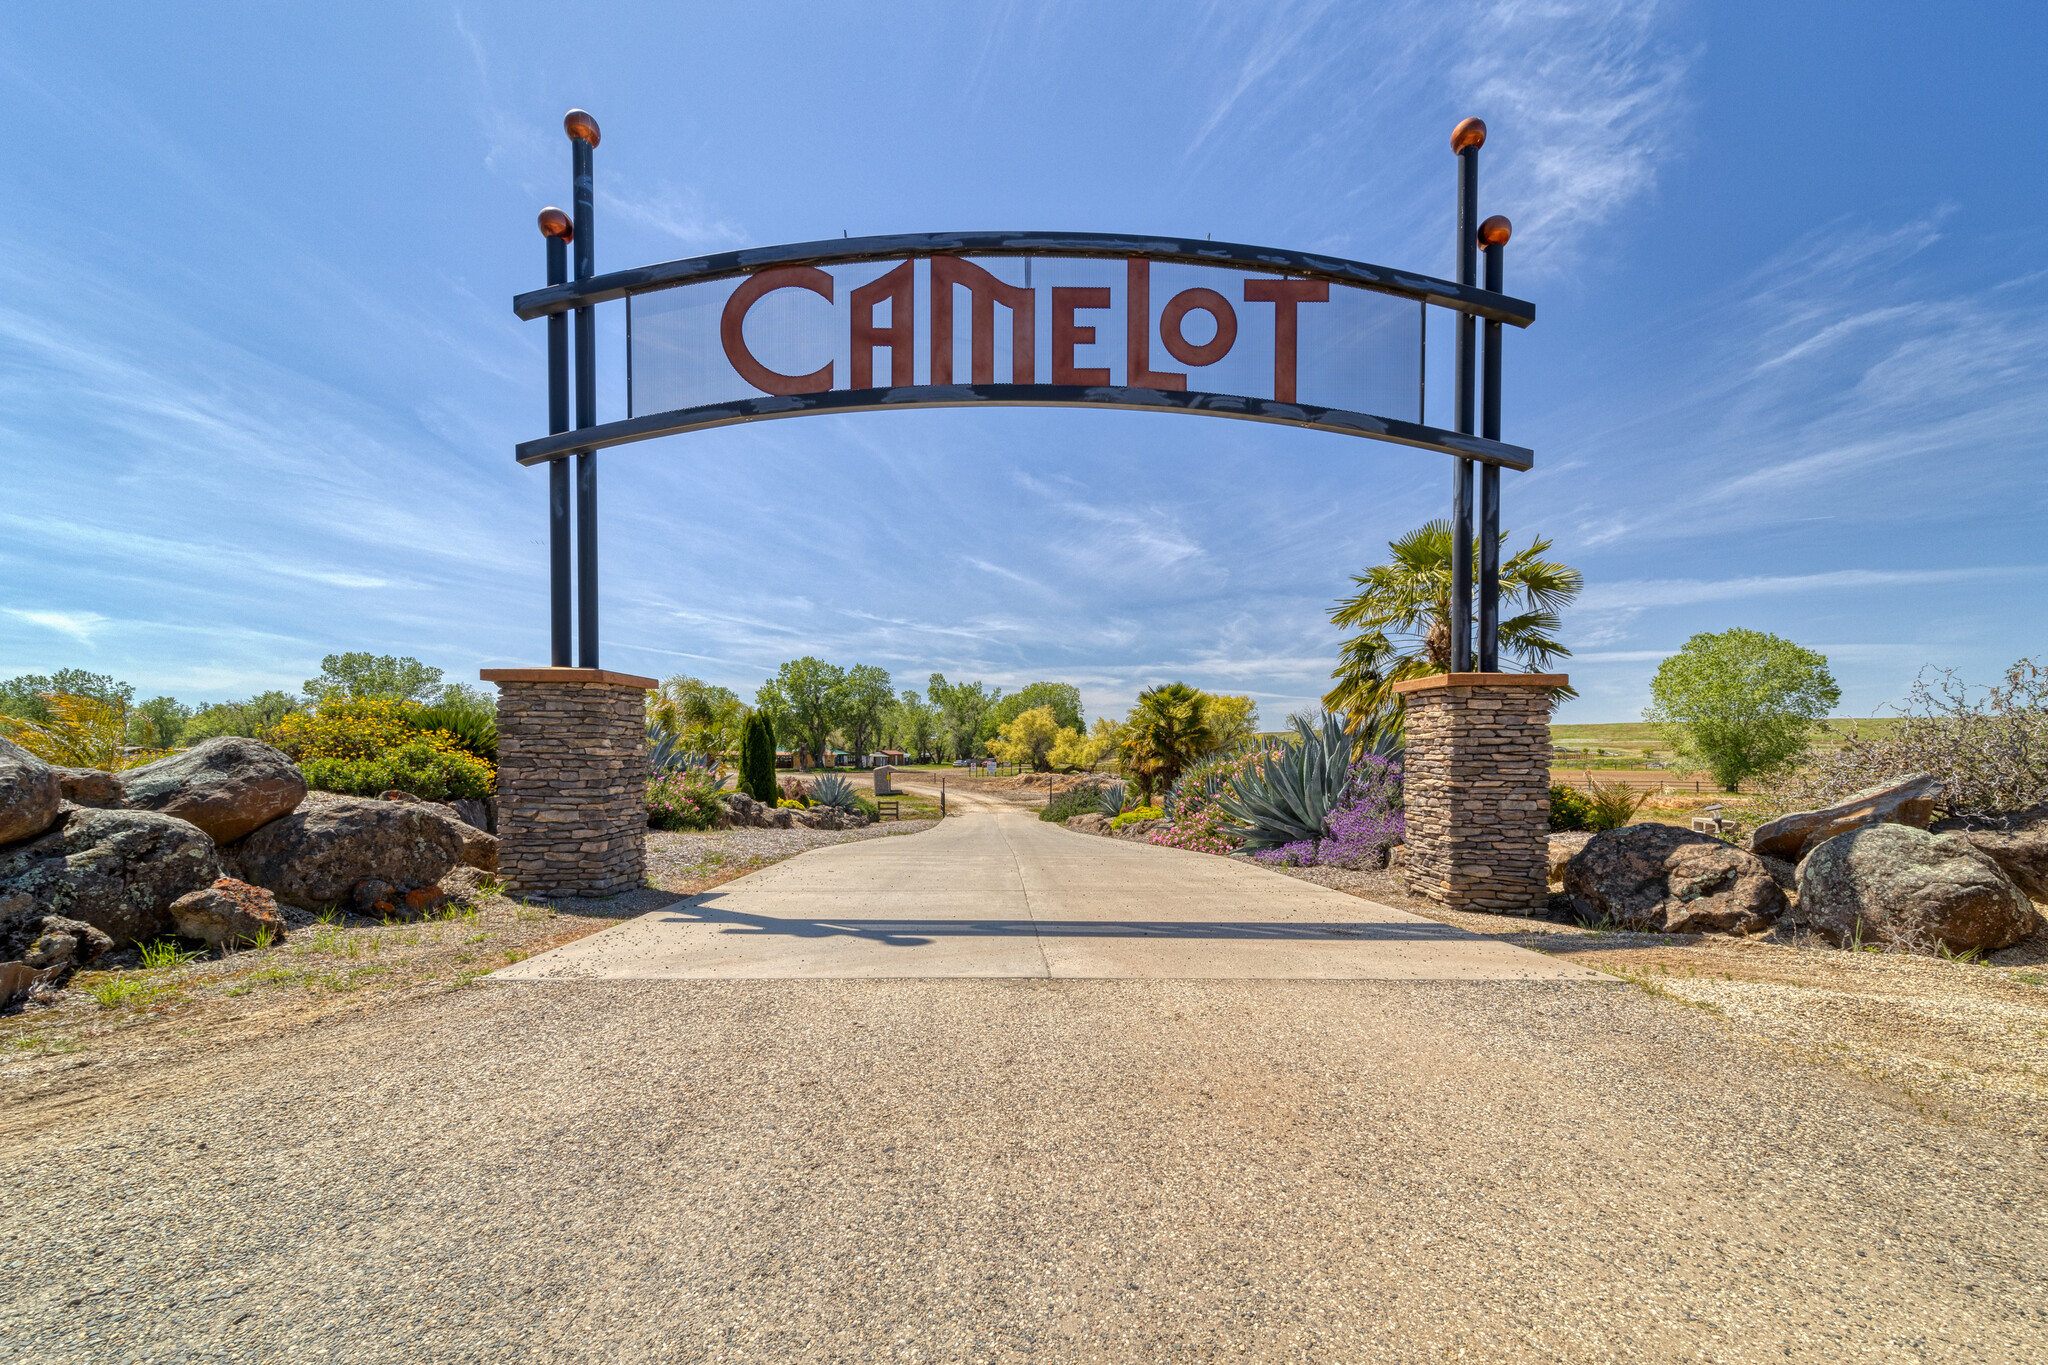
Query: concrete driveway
[(997, 892)]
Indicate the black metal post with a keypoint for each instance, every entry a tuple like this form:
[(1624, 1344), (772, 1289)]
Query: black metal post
[(1466, 140), (555, 224), (583, 138), (1493, 235)]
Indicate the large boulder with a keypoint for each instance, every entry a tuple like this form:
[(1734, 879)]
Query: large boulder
[(30, 793), (90, 787), (1089, 822), (1662, 879), (1901, 801), (1563, 848), (479, 850), (314, 857), (117, 870), (228, 913), (2018, 843), (228, 786), (1907, 888)]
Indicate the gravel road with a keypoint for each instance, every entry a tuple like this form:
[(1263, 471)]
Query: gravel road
[(1012, 1170)]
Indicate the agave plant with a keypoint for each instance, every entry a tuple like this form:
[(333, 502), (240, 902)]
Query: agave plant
[(665, 752), (1112, 802), (834, 791), (1287, 795)]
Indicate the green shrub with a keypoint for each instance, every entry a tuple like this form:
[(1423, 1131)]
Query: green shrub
[(475, 728), (757, 757), (1614, 805), (683, 800), (868, 808), (1131, 817), (364, 748), (1075, 800), (1569, 809)]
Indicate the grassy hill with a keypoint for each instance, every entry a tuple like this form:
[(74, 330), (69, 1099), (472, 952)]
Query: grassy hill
[(1625, 742)]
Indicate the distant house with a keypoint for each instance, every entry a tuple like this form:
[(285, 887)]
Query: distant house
[(785, 759), (895, 758)]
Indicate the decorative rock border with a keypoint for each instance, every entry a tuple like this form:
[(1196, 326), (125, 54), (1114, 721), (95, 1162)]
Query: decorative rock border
[(572, 780), (1477, 789)]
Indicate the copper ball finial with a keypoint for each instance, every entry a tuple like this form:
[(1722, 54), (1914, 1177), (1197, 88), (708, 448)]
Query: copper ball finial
[(1470, 132), (555, 223), (579, 124), (1496, 230)]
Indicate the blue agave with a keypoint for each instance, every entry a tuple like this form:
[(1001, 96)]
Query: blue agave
[(832, 790), (1288, 794), (665, 749)]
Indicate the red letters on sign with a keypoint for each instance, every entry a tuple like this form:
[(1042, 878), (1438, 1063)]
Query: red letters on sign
[(1177, 310), (1138, 370), (732, 330), (1066, 335), (1283, 295), (985, 291), (900, 336)]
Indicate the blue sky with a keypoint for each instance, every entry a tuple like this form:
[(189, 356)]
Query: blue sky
[(262, 380)]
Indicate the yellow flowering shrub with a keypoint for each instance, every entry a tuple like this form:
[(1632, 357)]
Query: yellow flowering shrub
[(363, 748)]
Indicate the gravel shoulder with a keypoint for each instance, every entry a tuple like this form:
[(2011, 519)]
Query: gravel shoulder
[(1950, 1039)]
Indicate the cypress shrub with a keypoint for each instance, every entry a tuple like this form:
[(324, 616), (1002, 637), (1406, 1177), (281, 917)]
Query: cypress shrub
[(757, 759)]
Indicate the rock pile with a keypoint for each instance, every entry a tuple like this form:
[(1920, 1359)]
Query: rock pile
[(744, 811), (93, 861)]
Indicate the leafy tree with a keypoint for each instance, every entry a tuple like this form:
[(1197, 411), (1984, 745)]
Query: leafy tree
[(249, 718), (915, 724), (1076, 752), (864, 706), (158, 723), (705, 718), (1232, 720), (811, 693), (371, 677), (1031, 737), (1063, 698), (28, 695), (82, 732), (961, 707), (1166, 732), (1741, 703), (1402, 610)]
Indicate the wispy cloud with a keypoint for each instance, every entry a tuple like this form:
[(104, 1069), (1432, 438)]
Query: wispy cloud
[(79, 625)]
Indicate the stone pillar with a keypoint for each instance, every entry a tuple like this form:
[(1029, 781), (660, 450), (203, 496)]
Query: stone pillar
[(572, 780), (1477, 789)]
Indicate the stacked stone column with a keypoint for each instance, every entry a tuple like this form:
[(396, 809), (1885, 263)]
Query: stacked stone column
[(1477, 785), (572, 781)]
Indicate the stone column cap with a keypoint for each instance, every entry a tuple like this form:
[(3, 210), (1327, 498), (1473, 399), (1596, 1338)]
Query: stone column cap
[(1436, 680), (600, 676)]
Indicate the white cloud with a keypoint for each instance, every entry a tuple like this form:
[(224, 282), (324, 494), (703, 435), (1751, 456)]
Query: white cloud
[(79, 625)]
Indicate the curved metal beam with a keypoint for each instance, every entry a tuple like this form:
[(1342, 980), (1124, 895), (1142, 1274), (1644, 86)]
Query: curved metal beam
[(651, 425), (1463, 298)]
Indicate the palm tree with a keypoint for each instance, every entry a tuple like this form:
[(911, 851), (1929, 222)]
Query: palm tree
[(1402, 611), (1166, 732)]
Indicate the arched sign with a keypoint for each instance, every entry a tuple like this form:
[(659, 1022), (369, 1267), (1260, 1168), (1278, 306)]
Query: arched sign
[(1025, 319), (1031, 319)]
